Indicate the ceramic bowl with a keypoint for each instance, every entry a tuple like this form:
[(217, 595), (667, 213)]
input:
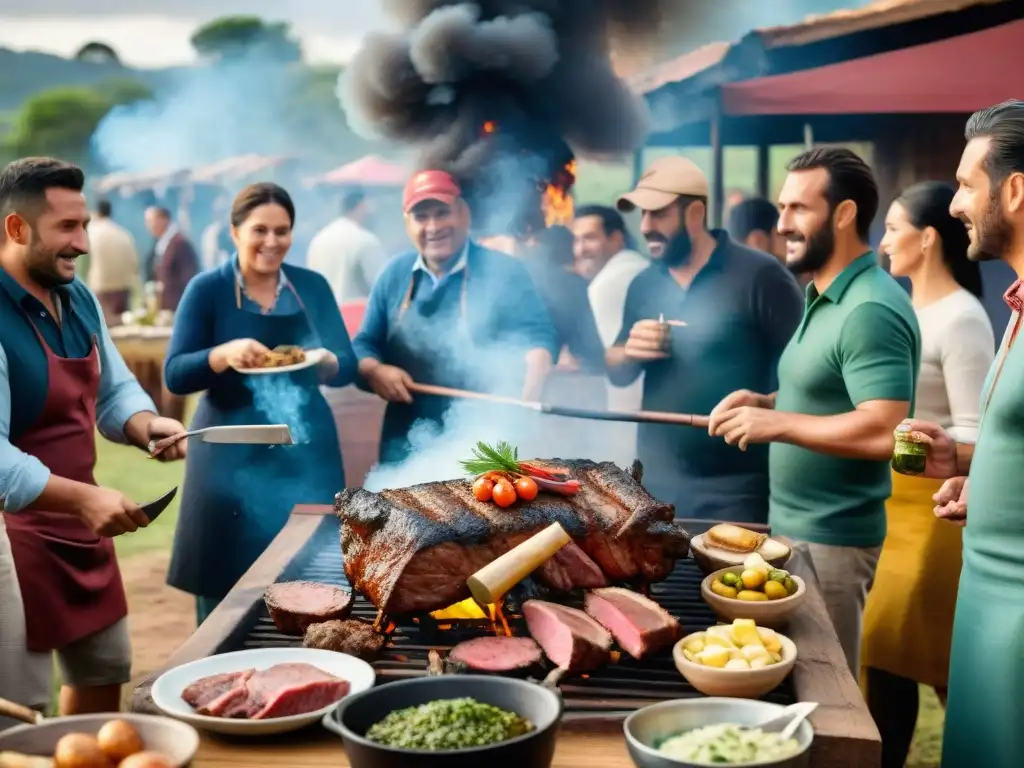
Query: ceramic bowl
[(736, 683), (540, 705), (765, 613), (646, 728), (710, 558), (175, 740)]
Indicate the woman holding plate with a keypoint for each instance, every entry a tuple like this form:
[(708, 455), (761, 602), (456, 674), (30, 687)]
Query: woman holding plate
[(236, 498)]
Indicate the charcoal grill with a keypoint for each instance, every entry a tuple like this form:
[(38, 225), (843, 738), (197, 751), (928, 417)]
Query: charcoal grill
[(624, 685)]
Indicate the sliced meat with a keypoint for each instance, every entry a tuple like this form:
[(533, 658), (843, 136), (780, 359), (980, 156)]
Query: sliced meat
[(288, 689), (570, 638), (640, 626), (356, 638), (584, 572), (208, 689), (294, 605), (497, 654)]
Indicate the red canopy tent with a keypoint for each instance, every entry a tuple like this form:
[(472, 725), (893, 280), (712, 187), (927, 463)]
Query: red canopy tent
[(367, 171), (958, 75)]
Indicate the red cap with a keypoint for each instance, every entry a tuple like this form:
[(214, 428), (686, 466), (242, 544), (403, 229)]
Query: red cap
[(430, 185)]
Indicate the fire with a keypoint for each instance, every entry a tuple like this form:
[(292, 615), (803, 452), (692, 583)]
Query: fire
[(490, 126), (470, 610), (467, 609), (557, 202)]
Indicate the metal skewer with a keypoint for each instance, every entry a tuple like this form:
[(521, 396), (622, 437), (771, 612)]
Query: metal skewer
[(651, 417)]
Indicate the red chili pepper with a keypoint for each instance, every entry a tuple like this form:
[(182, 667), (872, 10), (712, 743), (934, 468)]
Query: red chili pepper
[(567, 488), (556, 474)]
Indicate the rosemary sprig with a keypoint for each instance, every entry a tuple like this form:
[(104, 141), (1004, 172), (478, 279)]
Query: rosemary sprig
[(501, 458)]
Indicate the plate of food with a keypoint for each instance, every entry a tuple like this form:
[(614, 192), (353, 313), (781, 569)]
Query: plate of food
[(260, 691), (727, 545), (287, 358)]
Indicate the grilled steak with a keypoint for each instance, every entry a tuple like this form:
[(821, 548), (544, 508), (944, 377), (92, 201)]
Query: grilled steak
[(356, 638), (278, 691), (570, 638), (294, 605), (497, 654), (639, 625), (411, 549)]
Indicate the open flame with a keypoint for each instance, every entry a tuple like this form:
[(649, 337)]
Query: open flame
[(490, 126), (557, 202), (467, 609)]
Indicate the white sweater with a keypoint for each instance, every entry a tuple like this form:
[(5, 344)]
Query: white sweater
[(957, 349)]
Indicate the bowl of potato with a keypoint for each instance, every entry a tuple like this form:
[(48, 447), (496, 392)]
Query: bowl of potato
[(739, 660), (119, 740), (754, 590)]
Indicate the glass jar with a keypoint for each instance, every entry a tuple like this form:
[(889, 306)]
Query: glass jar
[(910, 454)]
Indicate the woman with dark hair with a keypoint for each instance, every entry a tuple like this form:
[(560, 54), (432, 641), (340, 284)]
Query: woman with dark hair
[(236, 498), (908, 620)]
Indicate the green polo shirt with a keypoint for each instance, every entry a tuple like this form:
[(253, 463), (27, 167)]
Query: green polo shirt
[(858, 341)]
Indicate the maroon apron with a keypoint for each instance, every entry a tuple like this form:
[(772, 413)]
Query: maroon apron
[(68, 576)]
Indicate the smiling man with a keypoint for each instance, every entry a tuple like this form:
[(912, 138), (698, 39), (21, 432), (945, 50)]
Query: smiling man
[(60, 378), (451, 313), (846, 380), (729, 313)]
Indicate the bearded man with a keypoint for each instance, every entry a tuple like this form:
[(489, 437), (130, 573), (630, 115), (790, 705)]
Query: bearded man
[(846, 380), (707, 317), (60, 378), (986, 665)]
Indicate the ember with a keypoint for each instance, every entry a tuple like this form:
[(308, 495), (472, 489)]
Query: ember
[(467, 609)]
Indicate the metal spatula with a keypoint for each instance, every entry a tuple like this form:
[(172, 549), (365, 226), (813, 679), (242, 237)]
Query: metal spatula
[(248, 434)]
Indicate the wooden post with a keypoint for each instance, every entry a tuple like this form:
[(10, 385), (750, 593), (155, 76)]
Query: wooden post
[(717, 167), (763, 170)]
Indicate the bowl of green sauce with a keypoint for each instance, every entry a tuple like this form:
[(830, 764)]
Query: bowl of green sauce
[(715, 731), (449, 720)]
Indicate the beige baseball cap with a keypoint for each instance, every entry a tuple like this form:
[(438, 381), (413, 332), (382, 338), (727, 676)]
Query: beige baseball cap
[(664, 180)]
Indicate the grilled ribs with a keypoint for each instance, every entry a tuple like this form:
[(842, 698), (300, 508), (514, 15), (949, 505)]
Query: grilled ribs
[(410, 550)]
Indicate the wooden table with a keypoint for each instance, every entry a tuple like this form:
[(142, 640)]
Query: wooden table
[(845, 734), (144, 349)]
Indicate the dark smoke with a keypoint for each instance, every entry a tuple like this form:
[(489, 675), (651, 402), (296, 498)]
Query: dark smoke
[(540, 68)]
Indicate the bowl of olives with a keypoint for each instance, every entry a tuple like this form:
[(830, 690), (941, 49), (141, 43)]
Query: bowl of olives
[(754, 590)]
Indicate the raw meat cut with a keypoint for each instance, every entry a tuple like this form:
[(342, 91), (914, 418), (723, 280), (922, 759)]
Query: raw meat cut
[(497, 654), (294, 605), (278, 691), (354, 637), (639, 625), (570, 638), (411, 549), (212, 695)]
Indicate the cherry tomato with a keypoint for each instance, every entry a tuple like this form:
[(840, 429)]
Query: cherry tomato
[(526, 488), (504, 494), (482, 489)]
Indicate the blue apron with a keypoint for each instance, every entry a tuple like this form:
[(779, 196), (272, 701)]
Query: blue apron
[(237, 498), (429, 340)]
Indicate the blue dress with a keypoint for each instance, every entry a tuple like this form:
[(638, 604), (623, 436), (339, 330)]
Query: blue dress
[(236, 498)]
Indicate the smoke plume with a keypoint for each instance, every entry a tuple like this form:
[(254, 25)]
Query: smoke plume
[(540, 68)]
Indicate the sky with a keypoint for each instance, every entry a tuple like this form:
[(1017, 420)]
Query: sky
[(155, 33)]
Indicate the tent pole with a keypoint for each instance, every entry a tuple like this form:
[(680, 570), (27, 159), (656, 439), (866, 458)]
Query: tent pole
[(717, 168), (808, 136), (638, 165)]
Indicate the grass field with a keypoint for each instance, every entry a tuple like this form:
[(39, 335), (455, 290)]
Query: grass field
[(141, 479)]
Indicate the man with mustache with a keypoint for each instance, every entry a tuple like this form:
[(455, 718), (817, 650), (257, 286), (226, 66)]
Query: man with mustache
[(450, 313), (846, 380), (707, 317), (986, 665), (61, 378)]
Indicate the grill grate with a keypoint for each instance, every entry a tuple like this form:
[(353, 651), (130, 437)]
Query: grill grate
[(624, 685)]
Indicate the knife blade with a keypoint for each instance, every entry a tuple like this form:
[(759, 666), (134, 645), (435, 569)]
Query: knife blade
[(153, 508)]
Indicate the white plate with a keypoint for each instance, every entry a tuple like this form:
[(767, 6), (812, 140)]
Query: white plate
[(167, 689), (313, 357)]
